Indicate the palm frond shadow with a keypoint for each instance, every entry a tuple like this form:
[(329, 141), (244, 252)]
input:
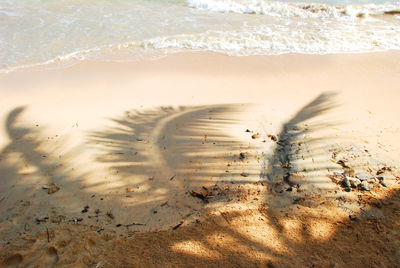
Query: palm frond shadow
[(31, 161), (170, 151), (288, 248), (161, 140), (300, 157)]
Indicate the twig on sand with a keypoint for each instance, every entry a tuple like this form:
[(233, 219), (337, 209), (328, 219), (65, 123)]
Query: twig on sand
[(133, 223), (48, 235), (177, 226)]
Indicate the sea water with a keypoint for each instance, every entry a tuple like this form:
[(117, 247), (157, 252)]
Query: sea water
[(43, 32)]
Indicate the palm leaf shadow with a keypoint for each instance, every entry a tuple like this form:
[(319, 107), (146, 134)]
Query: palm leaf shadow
[(170, 151)]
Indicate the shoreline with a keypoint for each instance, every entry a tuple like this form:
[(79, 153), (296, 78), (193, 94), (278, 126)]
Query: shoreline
[(55, 64), (111, 152)]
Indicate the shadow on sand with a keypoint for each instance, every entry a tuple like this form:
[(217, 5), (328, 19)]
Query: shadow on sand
[(166, 152), (28, 164), (317, 234), (267, 239)]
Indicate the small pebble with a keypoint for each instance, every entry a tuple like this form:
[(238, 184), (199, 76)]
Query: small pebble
[(354, 182), (52, 188), (346, 182), (366, 186), (353, 217), (110, 215), (85, 209)]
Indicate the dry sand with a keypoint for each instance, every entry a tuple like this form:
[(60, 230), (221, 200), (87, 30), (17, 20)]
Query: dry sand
[(201, 160)]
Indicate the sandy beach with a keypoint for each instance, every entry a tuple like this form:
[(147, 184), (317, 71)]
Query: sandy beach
[(202, 160)]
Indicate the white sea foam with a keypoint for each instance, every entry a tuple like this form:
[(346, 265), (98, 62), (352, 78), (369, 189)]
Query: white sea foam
[(65, 60), (292, 9), (267, 41)]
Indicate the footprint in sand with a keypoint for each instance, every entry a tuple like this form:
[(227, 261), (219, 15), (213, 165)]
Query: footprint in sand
[(14, 260), (50, 258)]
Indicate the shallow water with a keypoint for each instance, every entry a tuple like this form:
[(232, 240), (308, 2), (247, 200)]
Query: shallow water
[(34, 32)]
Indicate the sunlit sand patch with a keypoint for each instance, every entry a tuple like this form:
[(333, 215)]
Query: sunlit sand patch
[(222, 238), (292, 229), (267, 236), (197, 249), (259, 230), (320, 230), (27, 170), (161, 191)]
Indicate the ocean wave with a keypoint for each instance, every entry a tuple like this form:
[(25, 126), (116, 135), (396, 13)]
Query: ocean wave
[(294, 9), (266, 40), (260, 40)]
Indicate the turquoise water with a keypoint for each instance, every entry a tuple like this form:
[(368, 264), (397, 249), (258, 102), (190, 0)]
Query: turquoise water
[(60, 32)]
